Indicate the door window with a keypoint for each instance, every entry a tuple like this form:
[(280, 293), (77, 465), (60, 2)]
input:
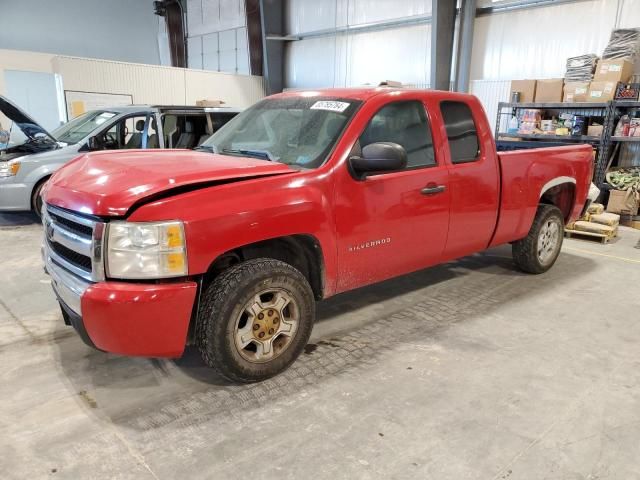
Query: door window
[(406, 124), (461, 131)]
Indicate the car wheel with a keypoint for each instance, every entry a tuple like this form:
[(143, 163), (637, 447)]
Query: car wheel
[(255, 319), (538, 251), (36, 199)]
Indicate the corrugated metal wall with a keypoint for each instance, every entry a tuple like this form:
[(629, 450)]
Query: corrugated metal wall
[(529, 43)]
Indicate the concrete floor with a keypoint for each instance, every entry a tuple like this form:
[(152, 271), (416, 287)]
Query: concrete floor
[(463, 371)]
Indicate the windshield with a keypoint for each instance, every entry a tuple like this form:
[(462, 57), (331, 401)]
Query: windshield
[(297, 131), (78, 128)]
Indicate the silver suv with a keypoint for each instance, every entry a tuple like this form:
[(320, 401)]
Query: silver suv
[(29, 154)]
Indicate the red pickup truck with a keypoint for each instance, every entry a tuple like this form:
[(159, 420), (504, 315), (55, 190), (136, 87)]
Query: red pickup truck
[(303, 196)]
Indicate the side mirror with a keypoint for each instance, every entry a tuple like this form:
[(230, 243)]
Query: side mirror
[(94, 144), (378, 157)]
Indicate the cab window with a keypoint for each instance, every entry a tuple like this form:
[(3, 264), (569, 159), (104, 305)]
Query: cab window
[(406, 124), (461, 131)]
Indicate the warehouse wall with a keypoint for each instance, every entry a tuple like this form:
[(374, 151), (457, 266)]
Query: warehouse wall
[(348, 58), (536, 43), (217, 36), (149, 84), (122, 30), (530, 43)]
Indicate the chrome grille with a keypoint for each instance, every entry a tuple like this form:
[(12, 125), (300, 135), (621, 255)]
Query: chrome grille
[(74, 242)]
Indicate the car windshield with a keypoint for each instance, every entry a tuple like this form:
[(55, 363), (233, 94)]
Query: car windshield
[(297, 131), (78, 128)]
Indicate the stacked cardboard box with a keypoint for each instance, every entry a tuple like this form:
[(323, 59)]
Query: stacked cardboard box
[(608, 74), (549, 90), (526, 89)]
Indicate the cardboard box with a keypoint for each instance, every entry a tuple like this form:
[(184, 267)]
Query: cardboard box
[(209, 103), (549, 90), (575, 92), (595, 130), (601, 91), (527, 89), (613, 70), (623, 201)]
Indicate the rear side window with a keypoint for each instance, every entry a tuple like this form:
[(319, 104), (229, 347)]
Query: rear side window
[(461, 131)]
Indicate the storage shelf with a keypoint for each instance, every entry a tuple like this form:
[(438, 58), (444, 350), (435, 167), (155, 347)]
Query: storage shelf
[(540, 136), (557, 106), (625, 139)]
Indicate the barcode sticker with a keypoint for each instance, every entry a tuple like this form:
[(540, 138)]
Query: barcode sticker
[(330, 105)]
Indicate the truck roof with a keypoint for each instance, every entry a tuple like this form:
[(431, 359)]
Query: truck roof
[(365, 93)]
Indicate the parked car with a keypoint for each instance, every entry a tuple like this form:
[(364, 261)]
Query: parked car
[(302, 196), (27, 162)]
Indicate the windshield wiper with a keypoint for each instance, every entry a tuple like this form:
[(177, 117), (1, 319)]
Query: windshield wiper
[(262, 154), (205, 148)]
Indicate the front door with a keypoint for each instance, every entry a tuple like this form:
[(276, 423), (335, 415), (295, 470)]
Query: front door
[(392, 223)]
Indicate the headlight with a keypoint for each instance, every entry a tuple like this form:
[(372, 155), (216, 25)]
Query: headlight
[(9, 169), (146, 250)]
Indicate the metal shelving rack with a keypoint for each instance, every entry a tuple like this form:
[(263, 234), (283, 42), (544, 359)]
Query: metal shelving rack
[(586, 109), (617, 109)]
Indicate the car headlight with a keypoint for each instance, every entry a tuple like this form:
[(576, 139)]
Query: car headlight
[(146, 250), (9, 169)]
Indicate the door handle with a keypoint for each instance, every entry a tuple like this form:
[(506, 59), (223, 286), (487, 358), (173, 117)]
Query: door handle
[(432, 189)]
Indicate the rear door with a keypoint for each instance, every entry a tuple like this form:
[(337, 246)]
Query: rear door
[(473, 177), (396, 222)]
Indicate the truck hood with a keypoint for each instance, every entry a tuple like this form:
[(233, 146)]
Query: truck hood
[(110, 183), (31, 129)]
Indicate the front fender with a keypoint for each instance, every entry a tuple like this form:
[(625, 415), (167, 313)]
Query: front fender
[(222, 218)]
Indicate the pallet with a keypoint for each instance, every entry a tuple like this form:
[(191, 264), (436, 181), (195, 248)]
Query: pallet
[(600, 236)]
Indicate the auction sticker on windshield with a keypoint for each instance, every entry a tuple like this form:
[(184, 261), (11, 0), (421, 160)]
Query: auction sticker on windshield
[(330, 105)]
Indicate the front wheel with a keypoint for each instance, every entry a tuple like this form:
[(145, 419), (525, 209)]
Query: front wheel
[(538, 251), (255, 319)]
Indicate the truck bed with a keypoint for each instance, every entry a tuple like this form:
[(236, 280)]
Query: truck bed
[(526, 174)]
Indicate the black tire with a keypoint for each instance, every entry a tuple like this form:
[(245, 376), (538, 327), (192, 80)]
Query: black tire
[(223, 304), (36, 199), (526, 252)]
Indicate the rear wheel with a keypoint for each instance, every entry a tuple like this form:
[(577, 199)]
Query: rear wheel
[(538, 251), (255, 319), (36, 199)]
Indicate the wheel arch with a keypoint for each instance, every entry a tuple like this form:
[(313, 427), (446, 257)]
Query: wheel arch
[(36, 185), (560, 192), (301, 251)]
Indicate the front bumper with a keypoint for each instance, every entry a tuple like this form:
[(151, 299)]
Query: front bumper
[(137, 319)]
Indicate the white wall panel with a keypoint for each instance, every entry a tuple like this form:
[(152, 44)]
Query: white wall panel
[(311, 63), (368, 11), (535, 43), (308, 16), (239, 91), (490, 93), (629, 14), (195, 51), (401, 54), (242, 52)]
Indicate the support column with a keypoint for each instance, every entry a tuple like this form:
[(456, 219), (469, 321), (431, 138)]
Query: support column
[(443, 15), (465, 45), (272, 15)]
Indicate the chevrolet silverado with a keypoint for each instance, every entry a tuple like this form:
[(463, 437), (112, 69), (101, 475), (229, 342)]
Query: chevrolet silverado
[(302, 196)]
